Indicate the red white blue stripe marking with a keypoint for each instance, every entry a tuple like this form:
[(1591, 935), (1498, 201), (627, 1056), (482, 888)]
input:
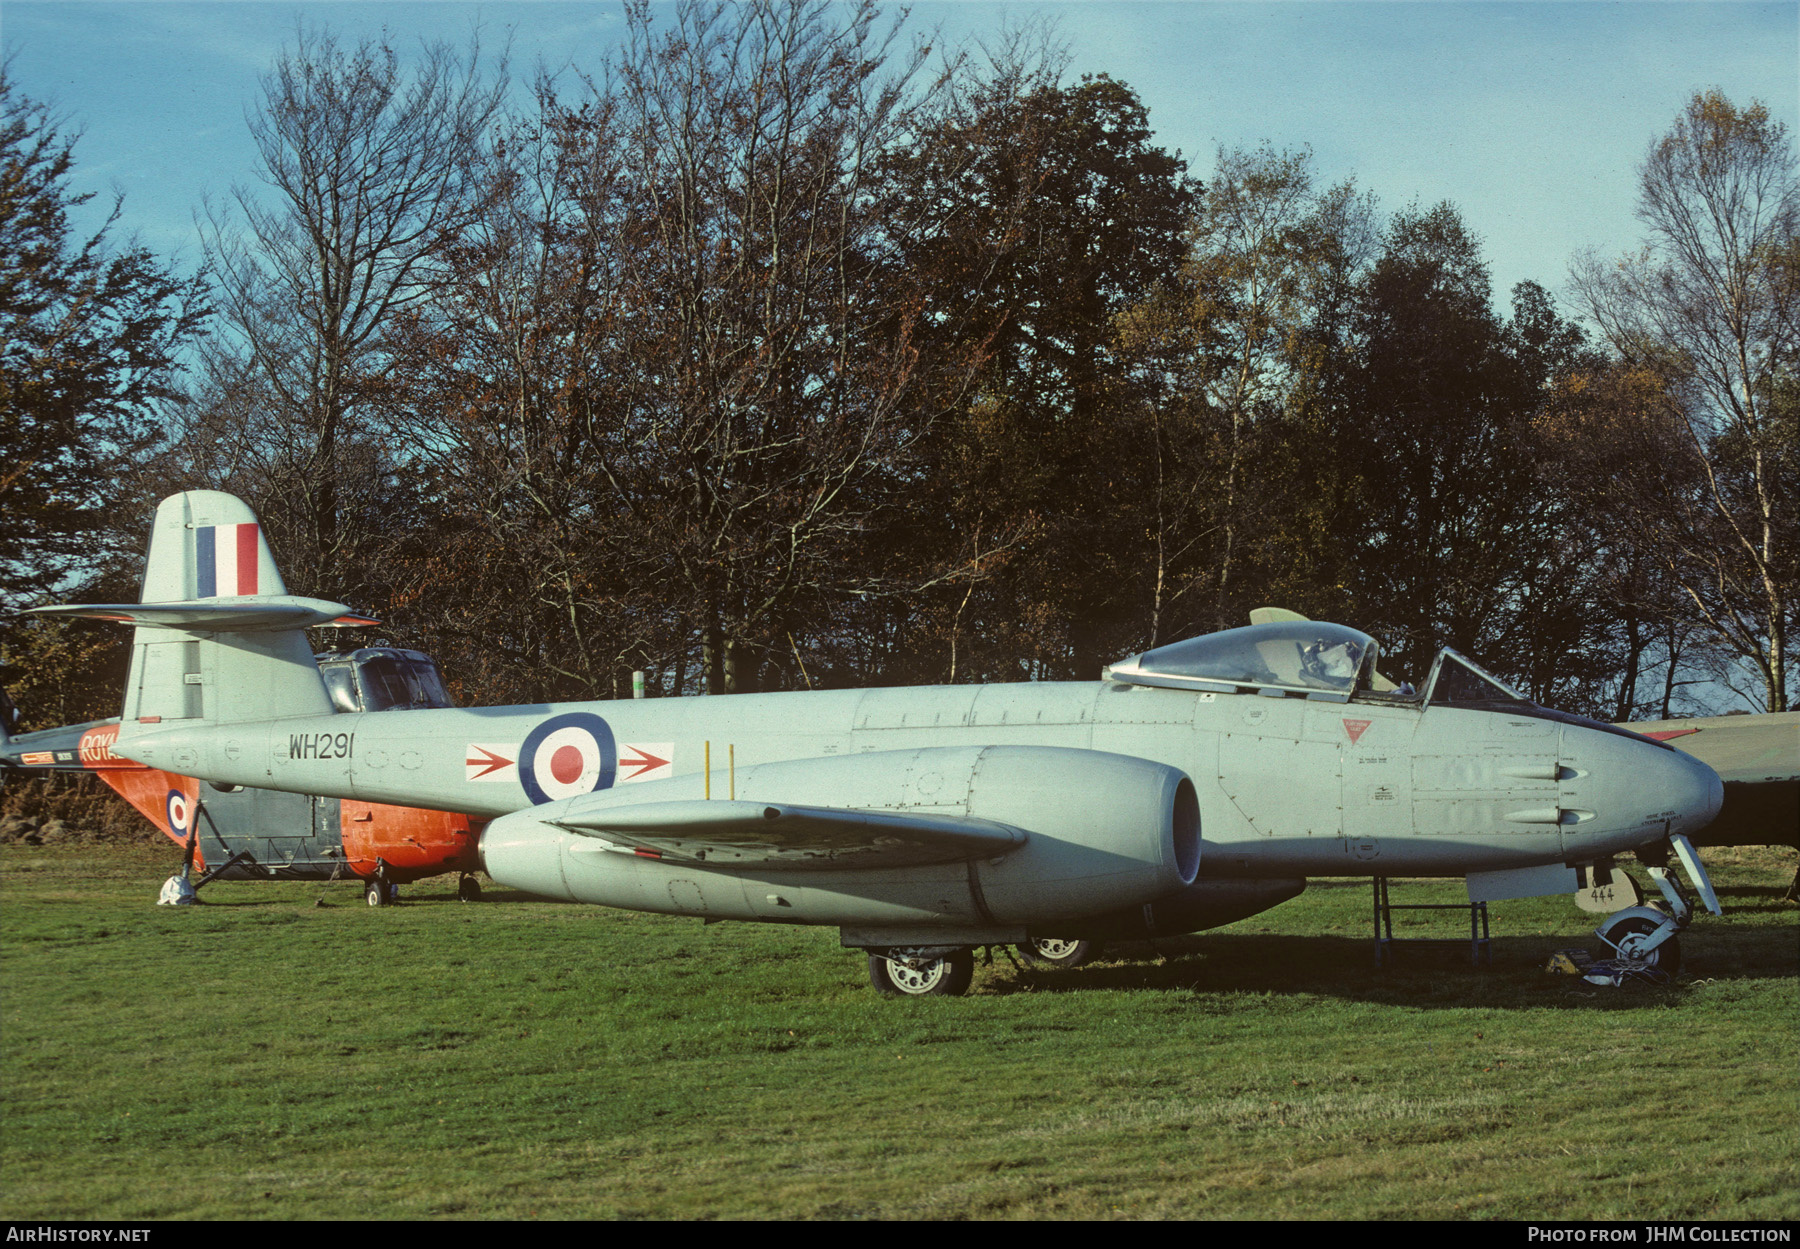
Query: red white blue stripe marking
[(225, 560)]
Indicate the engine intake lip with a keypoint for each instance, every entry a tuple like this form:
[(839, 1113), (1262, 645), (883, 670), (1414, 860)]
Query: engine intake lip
[(1185, 830)]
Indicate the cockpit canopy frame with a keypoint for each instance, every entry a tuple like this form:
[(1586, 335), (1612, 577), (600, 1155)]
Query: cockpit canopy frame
[(1455, 678), (1312, 658)]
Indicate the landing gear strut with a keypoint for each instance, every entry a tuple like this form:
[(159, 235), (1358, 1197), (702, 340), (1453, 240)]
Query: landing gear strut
[(1646, 934), (178, 890)]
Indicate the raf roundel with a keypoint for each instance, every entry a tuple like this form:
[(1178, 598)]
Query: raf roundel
[(179, 811), (566, 756)]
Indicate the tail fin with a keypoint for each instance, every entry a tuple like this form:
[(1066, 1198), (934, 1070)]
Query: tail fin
[(218, 640)]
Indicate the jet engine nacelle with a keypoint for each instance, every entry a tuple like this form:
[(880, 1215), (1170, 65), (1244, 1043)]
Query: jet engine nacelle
[(1069, 833)]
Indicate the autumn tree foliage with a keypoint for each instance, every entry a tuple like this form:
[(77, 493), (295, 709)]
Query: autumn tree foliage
[(1708, 307), (671, 372), (1231, 348), (1059, 211), (787, 349)]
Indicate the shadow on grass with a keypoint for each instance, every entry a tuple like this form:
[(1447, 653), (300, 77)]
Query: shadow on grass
[(1760, 898), (1434, 975), (348, 893)]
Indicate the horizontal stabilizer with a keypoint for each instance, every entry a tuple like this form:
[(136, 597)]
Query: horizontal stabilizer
[(263, 614), (726, 833)]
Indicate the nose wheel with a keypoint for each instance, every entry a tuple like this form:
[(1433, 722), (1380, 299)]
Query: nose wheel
[(1631, 934)]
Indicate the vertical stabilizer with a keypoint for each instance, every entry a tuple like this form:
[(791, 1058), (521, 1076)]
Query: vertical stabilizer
[(218, 638), (205, 544)]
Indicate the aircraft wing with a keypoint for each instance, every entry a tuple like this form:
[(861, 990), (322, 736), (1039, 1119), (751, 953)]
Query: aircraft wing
[(1758, 758), (787, 836)]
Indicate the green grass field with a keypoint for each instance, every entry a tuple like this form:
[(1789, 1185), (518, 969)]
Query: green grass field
[(284, 1052)]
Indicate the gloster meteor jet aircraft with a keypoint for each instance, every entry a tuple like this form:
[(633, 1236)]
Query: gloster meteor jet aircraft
[(1192, 785)]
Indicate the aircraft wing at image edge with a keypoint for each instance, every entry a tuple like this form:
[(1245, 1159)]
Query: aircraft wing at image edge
[(1757, 757)]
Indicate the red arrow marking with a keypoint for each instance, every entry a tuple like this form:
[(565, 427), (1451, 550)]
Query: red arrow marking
[(644, 762), (1663, 735), (489, 762)]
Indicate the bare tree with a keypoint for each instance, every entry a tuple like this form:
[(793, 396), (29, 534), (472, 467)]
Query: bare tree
[(370, 170), (669, 378), (772, 334), (1269, 255), (527, 573), (1709, 305)]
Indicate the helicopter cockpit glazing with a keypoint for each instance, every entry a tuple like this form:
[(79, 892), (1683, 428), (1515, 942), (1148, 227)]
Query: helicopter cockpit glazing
[(381, 678)]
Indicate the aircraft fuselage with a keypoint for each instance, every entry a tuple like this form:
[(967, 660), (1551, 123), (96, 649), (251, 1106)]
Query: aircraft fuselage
[(1286, 786)]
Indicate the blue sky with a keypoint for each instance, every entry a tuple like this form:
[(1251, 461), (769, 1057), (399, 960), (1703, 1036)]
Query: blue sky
[(1529, 116)]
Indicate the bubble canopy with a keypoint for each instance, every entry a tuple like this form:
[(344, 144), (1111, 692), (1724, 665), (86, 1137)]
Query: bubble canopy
[(1303, 656)]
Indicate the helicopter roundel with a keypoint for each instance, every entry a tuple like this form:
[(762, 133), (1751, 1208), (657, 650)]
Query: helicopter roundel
[(566, 756), (180, 810)]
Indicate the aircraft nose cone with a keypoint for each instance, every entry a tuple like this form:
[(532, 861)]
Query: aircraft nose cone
[(1632, 789), (1682, 790), (1707, 796)]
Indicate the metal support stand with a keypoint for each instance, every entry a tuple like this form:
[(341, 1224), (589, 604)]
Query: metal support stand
[(242, 856), (1480, 950)]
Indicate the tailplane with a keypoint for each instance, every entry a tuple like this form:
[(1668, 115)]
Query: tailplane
[(218, 639)]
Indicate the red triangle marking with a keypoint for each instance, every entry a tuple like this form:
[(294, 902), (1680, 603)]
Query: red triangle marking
[(1356, 728), (644, 762), (489, 762)]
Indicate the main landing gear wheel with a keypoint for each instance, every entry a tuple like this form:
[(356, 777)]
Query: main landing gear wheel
[(380, 893), (1625, 935), (468, 889), (904, 976), (1057, 952)]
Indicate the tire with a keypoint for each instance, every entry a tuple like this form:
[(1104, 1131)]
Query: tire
[(1665, 958), (950, 976), (468, 889), (1057, 952), (378, 893)]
